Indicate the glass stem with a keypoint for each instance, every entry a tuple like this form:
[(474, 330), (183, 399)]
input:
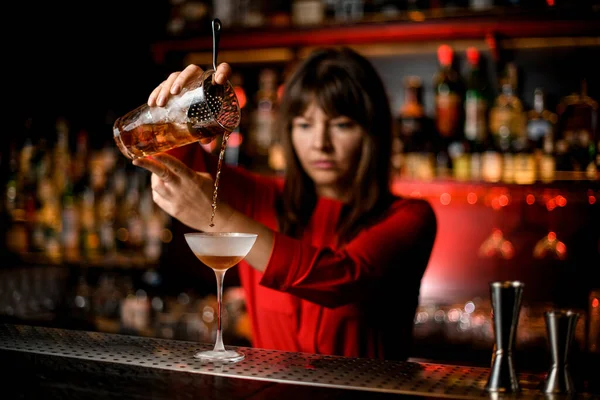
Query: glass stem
[(220, 274)]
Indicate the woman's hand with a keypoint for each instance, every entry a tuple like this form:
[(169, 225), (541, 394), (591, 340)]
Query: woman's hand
[(184, 193), (176, 80)]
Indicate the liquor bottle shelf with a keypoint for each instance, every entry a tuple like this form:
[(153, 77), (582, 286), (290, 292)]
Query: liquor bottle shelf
[(395, 35), (574, 190)]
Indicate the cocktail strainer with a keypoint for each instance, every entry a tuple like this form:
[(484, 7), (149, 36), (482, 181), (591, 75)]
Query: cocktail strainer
[(219, 102)]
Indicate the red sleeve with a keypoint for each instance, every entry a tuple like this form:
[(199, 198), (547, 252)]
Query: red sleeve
[(397, 246), (247, 192)]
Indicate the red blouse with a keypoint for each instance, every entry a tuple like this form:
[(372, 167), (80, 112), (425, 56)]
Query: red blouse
[(357, 300)]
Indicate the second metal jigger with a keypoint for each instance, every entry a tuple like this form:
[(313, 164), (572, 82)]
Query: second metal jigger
[(506, 306), (560, 325)]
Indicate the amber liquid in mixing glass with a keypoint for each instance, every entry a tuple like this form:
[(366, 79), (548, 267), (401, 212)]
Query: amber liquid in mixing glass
[(148, 139), (145, 140)]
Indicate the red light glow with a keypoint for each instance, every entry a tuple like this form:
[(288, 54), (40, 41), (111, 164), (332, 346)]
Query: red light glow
[(503, 200), (595, 302), (280, 91), (561, 249), (241, 95), (495, 203), (508, 250), (591, 199), (210, 146), (471, 198), (235, 139), (530, 199), (551, 204), (561, 201), (445, 198), (551, 236)]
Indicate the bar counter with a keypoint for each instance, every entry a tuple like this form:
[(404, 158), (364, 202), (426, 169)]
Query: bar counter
[(51, 363)]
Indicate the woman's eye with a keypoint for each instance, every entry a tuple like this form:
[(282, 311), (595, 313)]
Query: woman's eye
[(302, 125), (344, 125)]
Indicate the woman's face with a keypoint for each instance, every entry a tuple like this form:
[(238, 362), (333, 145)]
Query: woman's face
[(328, 149)]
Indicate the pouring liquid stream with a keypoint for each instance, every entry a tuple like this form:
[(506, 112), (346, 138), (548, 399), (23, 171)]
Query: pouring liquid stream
[(217, 176)]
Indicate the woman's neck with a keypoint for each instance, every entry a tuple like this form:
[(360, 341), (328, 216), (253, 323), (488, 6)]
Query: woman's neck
[(333, 193)]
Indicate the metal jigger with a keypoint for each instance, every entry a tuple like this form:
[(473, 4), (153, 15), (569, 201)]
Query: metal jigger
[(560, 326), (506, 305)]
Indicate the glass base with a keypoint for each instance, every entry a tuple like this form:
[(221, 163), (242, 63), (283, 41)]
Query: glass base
[(221, 356)]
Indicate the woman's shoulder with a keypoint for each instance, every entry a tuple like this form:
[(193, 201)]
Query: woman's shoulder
[(412, 206)]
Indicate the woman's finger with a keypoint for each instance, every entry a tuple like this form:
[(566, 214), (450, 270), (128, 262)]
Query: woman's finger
[(223, 73), (189, 71), (166, 88), (158, 168), (147, 163), (205, 175), (158, 185), (154, 95), (160, 201), (175, 165)]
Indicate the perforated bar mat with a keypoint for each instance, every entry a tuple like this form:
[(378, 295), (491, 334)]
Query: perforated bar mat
[(413, 378)]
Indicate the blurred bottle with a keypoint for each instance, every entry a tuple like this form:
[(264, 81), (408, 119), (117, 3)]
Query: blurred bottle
[(578, 125), (412, 146), (541, 126), (411, 119), (89, 237), (80, 161), (506, 115), (106, 214), (251, 13), (17, 236), (38, 198), (476, 107), (349, 10), (307, 12), (593, 322), (263, 130), (491, 163), (598, 151), (70, 224), (154, 225), (135, 223), (448, 89), (507, 125), (481, 5)]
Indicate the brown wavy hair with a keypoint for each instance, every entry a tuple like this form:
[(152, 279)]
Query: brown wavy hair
[(342, 83)]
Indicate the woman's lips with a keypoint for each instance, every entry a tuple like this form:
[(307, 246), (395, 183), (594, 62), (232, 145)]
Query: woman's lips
[(323, 164)]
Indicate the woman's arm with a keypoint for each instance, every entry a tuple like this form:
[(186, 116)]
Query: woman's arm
[(397, 248), (187, 195)]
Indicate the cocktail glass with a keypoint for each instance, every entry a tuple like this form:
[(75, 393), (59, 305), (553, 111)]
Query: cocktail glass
[(220, 251)]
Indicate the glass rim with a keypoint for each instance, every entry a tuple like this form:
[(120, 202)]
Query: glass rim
[(562, 312), (221, 234), (507, 284)]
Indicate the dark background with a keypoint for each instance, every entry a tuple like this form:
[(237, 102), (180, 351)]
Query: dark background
[(87, 61)]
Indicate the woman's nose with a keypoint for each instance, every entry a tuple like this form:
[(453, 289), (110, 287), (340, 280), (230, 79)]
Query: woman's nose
[(322, 137)]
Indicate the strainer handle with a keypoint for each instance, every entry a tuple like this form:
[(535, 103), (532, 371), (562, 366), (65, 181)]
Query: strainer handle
[(216, 31)]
